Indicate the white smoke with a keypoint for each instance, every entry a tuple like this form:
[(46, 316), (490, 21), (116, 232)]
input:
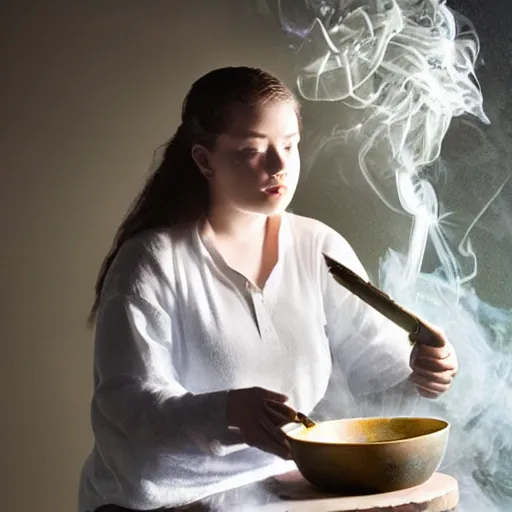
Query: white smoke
[(407, 68)]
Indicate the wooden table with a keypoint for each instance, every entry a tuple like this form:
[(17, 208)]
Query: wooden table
[(439, 494)]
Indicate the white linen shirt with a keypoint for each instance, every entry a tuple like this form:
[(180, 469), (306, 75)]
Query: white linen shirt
[(177, 328)]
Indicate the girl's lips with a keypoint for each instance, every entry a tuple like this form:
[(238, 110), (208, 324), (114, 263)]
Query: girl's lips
[(274, 191)]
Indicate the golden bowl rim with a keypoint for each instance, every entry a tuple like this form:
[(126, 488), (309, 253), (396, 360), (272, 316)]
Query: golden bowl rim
[(446, 427)]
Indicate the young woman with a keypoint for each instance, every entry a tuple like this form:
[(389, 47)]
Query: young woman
[(216, 317)]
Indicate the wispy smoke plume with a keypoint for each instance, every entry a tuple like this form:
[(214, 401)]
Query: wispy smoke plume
[(404, 70)]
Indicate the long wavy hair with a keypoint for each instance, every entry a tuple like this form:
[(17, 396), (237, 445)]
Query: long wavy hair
[(176, 193)]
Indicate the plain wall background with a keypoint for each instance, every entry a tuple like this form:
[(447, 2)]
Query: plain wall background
[(88, 91)]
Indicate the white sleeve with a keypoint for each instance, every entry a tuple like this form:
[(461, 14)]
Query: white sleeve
[(372, 352), (138, 397)]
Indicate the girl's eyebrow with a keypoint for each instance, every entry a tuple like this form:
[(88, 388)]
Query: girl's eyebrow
[(256, 135)]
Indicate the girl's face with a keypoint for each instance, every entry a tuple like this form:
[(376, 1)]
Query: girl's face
[(254, 167)]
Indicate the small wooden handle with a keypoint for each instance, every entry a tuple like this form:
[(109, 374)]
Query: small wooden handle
[(302, 418)]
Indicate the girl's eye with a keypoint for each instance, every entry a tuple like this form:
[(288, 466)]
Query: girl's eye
[(248, 152)]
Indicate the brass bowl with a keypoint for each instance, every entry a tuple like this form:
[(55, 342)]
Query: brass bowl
[(369, 455)]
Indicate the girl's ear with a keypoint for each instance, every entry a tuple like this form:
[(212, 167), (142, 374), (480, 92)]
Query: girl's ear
[(201, 157)]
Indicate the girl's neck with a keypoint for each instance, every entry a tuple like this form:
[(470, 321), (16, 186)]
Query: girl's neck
[(231, 224)]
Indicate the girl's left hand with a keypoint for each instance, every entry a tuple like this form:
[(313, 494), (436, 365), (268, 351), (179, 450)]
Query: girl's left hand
[(434, 367)]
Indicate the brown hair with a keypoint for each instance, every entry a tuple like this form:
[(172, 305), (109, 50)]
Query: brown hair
[(176, 193)]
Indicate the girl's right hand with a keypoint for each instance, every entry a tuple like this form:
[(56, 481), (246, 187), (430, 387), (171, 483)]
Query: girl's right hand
[(259, 414)]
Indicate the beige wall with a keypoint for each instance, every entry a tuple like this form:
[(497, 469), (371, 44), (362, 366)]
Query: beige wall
[(89, 90)]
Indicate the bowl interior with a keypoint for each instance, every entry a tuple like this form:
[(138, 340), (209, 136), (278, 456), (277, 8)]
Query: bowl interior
[(367, 430)]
